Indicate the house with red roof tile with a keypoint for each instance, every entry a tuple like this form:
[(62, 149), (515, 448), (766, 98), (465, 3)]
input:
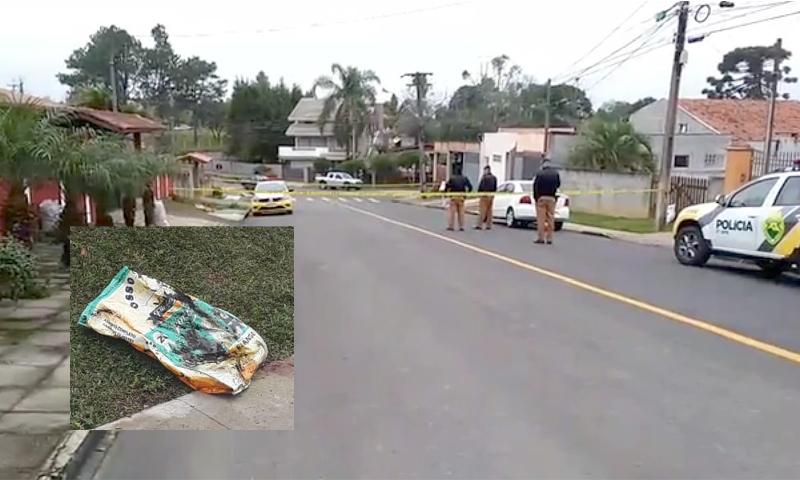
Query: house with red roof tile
[(705, 128)]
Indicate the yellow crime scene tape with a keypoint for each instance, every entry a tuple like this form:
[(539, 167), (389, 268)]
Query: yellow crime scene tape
[(405, 193)]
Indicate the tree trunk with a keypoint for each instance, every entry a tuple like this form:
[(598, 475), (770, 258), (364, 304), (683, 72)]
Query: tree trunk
[(70, 217), (103, 218), (148, 202), (194, 129), (19, 219), (129, 210)]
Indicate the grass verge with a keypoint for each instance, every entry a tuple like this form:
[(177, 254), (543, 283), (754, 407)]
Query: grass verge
[(247, 271), (633, 225)]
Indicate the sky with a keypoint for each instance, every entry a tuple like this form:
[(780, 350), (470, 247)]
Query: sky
[(298, 40)]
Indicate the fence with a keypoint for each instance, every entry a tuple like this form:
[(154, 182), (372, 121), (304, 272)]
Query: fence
[(780, 161), (687, 191)]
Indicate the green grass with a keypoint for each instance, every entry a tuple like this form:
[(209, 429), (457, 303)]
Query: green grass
[(633, 225), (246, 271)]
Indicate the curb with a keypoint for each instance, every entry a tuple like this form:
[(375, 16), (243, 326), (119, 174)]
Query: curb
[(70, 454)]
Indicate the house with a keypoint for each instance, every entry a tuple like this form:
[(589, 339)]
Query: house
[(706, 128), (451, 156), (517, 153)]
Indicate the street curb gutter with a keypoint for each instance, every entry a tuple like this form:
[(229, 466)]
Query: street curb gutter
[(70, 454)]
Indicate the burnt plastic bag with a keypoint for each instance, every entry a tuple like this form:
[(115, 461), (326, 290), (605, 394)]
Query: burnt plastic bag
[(208, 348)]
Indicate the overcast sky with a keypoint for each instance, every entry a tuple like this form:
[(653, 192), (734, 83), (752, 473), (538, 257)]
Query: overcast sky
[(299, 39)]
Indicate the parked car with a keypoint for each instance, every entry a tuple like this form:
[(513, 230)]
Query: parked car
[(759, 223), (272, 196), (338, 180), (516, 206)]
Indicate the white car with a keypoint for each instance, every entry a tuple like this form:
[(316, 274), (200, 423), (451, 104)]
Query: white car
[(339, 180), (515, 204), (759, 222), (272, 196)]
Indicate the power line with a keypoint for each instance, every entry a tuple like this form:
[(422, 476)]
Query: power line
[(758, 9), (755, 22), (647, 33), (609, 35), (619, 64)]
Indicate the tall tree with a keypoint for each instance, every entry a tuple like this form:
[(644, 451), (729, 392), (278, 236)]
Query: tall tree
[(620, 110), (257, 118), (613, 146), (157, 77), (89, 65), (351, 93), (197, 83), (745, 73)]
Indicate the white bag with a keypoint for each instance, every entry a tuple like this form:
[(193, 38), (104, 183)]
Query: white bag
[(160, 214)]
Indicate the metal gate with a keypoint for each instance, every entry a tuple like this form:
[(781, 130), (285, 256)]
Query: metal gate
[(687, 191), (780, 162)]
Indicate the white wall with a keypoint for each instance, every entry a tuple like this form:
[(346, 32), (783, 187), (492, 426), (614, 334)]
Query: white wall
[(495, 144), (631, 205)]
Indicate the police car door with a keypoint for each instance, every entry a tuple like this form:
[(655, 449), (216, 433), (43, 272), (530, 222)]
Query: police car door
[(780, 224), (738, 227)]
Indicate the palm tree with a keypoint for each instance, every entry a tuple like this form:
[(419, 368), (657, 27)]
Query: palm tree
[(22, 128), (613, 146), (351, 94)]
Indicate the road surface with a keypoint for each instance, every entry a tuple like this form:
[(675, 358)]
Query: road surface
[(490, 357)]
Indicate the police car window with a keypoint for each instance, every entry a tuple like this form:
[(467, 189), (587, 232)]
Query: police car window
[(753, 195), (790, 193)]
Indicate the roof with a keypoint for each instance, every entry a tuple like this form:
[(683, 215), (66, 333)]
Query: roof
[(7, 96), (309, 130), (307, 110), (745, 120), (119, 122), (197, 157)]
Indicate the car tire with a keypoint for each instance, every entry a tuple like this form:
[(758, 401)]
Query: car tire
[(559, 226), (690, 246), (322, 185), (511, 219), (771, 268)]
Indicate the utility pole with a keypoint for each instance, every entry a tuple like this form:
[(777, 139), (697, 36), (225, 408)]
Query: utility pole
[(113, 76), (19, 85), (672, 113), (547, 120), (776, 73), (420, 83)]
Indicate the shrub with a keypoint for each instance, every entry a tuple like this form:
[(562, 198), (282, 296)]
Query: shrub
[(17, 271)]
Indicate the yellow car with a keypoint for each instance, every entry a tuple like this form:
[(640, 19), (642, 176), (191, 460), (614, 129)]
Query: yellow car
[(270, 197)]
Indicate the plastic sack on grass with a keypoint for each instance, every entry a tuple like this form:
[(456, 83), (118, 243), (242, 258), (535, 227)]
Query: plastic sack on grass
[(206, 347)]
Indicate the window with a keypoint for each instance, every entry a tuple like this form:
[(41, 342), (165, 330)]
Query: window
[(714, 160), (681, 161), (753, 195), (683, 128), (790, 193), (502, 188), (271, 187), (497, 158)]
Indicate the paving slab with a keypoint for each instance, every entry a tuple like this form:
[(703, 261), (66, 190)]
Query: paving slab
[(33, 356), (7, 310), (50, 302), (59, 377), (46, 400), (49, 339), (34, 423), (28, 324), (23, 313), (25, 451), (172, 415), (10, 396), (268, 404), (21, 376)]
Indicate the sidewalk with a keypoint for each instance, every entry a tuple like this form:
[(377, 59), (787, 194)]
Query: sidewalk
[(663, 239), (178, 215), (34, 372), (268, 404)]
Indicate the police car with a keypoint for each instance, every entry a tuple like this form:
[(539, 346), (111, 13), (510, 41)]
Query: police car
[(759, 222)]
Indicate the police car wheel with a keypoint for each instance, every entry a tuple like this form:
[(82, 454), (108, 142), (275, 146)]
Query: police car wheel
[(772, 269), (691, 247)]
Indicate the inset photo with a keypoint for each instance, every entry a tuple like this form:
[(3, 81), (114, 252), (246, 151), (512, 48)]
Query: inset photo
[(182, 328)]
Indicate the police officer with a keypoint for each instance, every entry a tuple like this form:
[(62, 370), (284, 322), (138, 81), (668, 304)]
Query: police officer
[(458, 183), (487, 184)]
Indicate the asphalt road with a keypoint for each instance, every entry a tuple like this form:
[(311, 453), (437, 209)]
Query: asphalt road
[(421, 358)]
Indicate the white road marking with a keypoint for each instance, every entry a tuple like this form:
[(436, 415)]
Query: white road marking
[(373, 200), (342, 199), (326, 199), (358, 200), (309, 199)]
